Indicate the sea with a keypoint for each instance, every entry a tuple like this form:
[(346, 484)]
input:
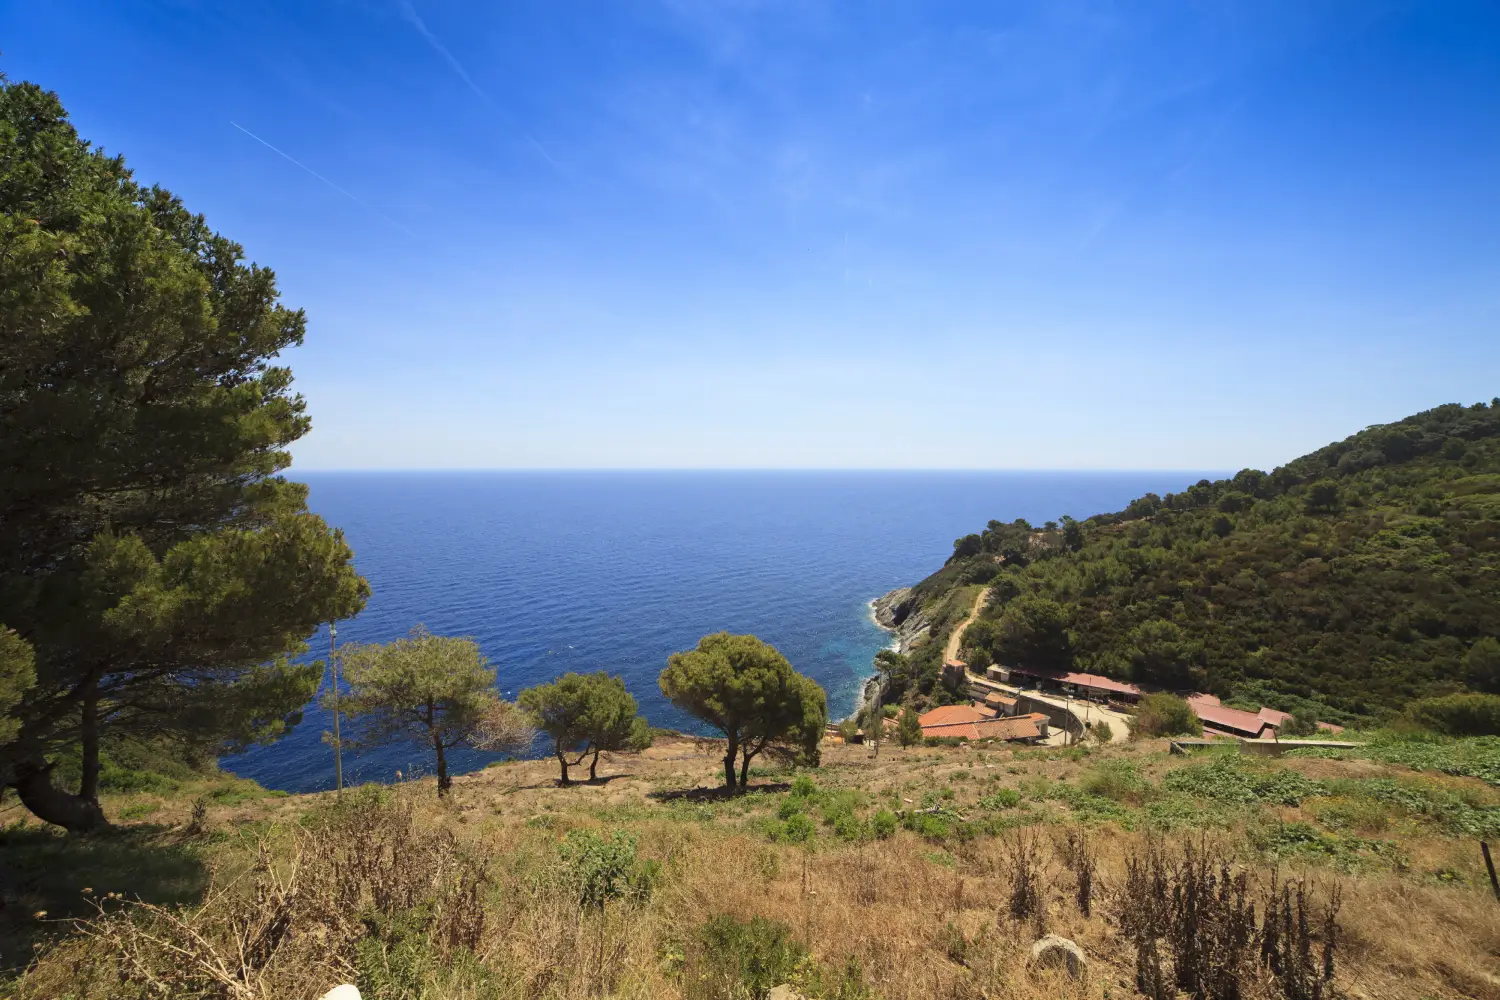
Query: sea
[(553, 572)]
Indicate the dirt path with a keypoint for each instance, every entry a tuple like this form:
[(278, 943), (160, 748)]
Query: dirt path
[(951, 653)]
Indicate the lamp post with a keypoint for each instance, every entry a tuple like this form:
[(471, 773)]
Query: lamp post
[(338, 748)]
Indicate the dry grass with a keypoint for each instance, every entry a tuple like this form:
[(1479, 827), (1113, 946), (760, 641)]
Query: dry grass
[(479, 904)]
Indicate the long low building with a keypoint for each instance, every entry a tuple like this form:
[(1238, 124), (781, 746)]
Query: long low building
[(1083, 684), (1215, 716), (966, 722)]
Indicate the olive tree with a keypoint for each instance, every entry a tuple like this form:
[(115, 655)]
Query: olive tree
[(585, 714), (748, 691), (437, 689)]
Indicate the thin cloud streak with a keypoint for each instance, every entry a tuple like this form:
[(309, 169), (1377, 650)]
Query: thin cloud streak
[(410, 16), (296, 162), (409, 13)]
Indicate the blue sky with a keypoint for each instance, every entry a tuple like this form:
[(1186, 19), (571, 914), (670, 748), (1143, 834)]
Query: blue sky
[(801, 234)]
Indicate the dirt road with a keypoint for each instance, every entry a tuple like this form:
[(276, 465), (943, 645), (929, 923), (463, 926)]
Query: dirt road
[(951, 653)]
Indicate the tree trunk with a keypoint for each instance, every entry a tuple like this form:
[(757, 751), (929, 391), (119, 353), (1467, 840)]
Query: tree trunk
[(88, 784), (745, 770), (563, 760), (734, 751), (47, 802), (594, 767), (444, 781)]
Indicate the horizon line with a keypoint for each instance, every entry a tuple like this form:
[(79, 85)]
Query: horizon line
[(748, 468)]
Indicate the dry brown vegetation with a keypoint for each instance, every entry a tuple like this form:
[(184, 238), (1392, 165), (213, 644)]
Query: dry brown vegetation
[(483, 896)]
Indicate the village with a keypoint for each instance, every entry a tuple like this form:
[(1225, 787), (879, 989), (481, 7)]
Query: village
[(1031, 705)]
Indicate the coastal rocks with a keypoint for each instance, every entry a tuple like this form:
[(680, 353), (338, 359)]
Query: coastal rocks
[(899, 612), (1054, 952)]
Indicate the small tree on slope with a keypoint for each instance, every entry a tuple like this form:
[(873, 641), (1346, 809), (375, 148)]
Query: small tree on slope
[(909, 728), (585, 714), (436, 688), (748, 691)]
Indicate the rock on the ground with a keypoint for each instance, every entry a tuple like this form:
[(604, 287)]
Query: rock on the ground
[(344, 992), (1054, 952), (784, 992)]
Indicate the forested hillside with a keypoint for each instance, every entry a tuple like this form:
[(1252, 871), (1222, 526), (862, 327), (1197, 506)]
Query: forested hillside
[(1356, 577)]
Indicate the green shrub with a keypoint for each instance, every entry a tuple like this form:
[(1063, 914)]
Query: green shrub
[(804, 787), (797, 828), (734, 958), (1468, 714), (601, 869), (1300, 724), (883, 824), (1001, 798), (848, 827), (1163, 714), (1468, 756), (1116, 780), (1457, 813), (123, 779), (1229, 779)]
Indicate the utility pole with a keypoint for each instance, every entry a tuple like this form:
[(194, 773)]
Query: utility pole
[(338, 748)]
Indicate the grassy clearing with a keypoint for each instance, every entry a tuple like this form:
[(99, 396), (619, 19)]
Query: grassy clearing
[(927, 873), (1469, 757)]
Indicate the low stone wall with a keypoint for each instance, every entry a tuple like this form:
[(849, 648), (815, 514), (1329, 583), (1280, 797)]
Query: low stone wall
[(1059, 717)]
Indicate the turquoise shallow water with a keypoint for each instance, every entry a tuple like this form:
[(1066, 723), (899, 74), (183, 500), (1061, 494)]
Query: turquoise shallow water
[(562, 571)]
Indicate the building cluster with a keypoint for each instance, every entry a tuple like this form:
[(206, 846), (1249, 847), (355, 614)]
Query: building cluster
[(1217, 718)]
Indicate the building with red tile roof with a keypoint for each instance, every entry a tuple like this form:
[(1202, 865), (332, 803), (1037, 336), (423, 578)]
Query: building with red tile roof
[(1084, 683), (1002, 704), (1227, 721), (969, 723), (1279, 719)]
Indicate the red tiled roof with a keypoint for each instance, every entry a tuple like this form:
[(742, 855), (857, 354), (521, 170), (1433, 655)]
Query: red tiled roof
[(994, 698), (969, 723), (1097, 682), (985, 710), (1274, 716), (1008, 729), (949, 715), (1232, 719), (986, 729)]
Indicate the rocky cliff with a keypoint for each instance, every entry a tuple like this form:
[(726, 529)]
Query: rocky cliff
[(899, 612)]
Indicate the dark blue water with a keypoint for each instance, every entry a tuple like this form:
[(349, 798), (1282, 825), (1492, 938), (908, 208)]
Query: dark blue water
[(562, 571)]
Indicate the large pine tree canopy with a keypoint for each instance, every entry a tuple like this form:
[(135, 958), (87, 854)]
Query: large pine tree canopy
[(161, 572)]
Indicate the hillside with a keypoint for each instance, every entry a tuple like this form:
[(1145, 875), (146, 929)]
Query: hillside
[(1346, 582), (924, 873)]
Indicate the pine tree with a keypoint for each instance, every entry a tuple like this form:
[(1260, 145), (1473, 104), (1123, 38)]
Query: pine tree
[(909, 728)]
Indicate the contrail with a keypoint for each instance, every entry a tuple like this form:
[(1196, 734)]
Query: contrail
[(410, 15), (352, 197)]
